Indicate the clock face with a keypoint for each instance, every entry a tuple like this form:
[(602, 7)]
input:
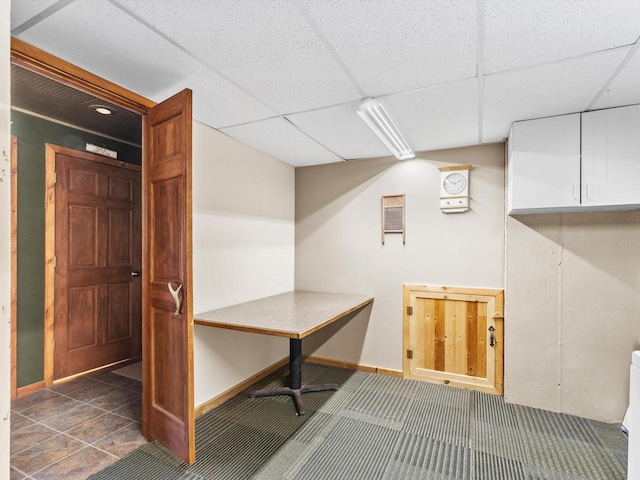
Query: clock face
[(454, 183)]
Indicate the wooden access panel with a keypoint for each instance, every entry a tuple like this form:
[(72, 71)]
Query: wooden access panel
[(454, 336)]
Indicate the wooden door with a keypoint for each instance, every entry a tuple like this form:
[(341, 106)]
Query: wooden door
[(454, 336), (97, 318), (168, 410)]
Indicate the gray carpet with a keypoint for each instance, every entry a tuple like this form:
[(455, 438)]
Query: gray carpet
[(381, 427)]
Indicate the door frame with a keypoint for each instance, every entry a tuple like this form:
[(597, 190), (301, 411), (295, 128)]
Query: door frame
[(43, 63), (39, 61), (50, 242)]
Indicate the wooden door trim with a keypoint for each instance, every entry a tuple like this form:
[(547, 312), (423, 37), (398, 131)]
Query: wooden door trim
[(49, 256), (14, 266), (39, 61), (50, 241), (94, 157), (50, 66)]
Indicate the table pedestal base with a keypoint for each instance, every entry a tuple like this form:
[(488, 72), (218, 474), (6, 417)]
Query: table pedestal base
[(295, 388), (295, 394)]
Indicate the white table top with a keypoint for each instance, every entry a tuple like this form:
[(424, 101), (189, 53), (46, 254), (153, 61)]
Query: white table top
[(293, 314)]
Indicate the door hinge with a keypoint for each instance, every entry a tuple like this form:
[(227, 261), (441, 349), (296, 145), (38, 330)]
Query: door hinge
[(55, 262), (54, 344), (55, 177), (409, 310), (409, 354)]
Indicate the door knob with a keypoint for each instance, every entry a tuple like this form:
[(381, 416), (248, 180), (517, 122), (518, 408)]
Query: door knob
[(135, 274)]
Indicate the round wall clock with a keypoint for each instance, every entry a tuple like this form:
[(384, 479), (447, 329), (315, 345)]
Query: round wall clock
[(454, 183)]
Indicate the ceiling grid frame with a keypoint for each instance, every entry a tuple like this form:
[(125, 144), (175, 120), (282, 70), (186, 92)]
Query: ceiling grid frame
[(615, 74), (204, 63), (614, 30)]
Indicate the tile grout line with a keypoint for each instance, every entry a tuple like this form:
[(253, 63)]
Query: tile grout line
[(58, 432), (76, 406)]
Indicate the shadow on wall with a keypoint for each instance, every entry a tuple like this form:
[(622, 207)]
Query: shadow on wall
[(338, 180), (607, 240), (342, 336)]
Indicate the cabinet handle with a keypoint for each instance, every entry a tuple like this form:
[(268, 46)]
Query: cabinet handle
[(587, 192), (575, 189)]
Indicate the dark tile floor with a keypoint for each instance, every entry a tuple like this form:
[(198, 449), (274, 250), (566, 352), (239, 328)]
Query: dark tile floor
[(76, 428)]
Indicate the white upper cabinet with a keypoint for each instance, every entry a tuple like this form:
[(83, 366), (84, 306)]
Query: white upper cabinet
[(544, 165), (578, 162), (611, 157)]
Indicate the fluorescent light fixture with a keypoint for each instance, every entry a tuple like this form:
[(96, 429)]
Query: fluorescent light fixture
[(376, 117)]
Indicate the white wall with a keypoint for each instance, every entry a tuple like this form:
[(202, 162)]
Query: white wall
[(5, 237), (573, 311), (339, 249), (243, 249)]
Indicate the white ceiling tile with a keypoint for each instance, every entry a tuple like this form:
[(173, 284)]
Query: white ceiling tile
[(95, 35), (249, 61), (24, 11), (530, 32), (438, 117), (430, 119), (395, 45), (625, 88), (265, 47), (278, 138), (218, 102), (341, 130), (547, 90)]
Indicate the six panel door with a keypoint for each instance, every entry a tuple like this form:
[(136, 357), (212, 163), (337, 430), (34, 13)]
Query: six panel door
[(168, 405), (97, 247)]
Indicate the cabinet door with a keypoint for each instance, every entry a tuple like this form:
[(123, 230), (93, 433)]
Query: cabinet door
[(611, 157), (454, 336), (544, 165)]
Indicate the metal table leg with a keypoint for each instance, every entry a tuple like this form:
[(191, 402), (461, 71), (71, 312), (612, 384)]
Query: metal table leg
[(295, 388)]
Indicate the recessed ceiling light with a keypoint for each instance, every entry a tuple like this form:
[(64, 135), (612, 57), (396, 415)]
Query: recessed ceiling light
[(102, 110)]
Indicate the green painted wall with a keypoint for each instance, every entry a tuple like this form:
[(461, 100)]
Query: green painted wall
[(33, 133)]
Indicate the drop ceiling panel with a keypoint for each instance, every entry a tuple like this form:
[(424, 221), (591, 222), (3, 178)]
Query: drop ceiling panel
[(438, 117), (430, 119), (530, 32), (99, 37), (400, 44), (543, 91), (625, 88), (266, 48), (278, 138), (23, 11), (219, 103), (341, 130)]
